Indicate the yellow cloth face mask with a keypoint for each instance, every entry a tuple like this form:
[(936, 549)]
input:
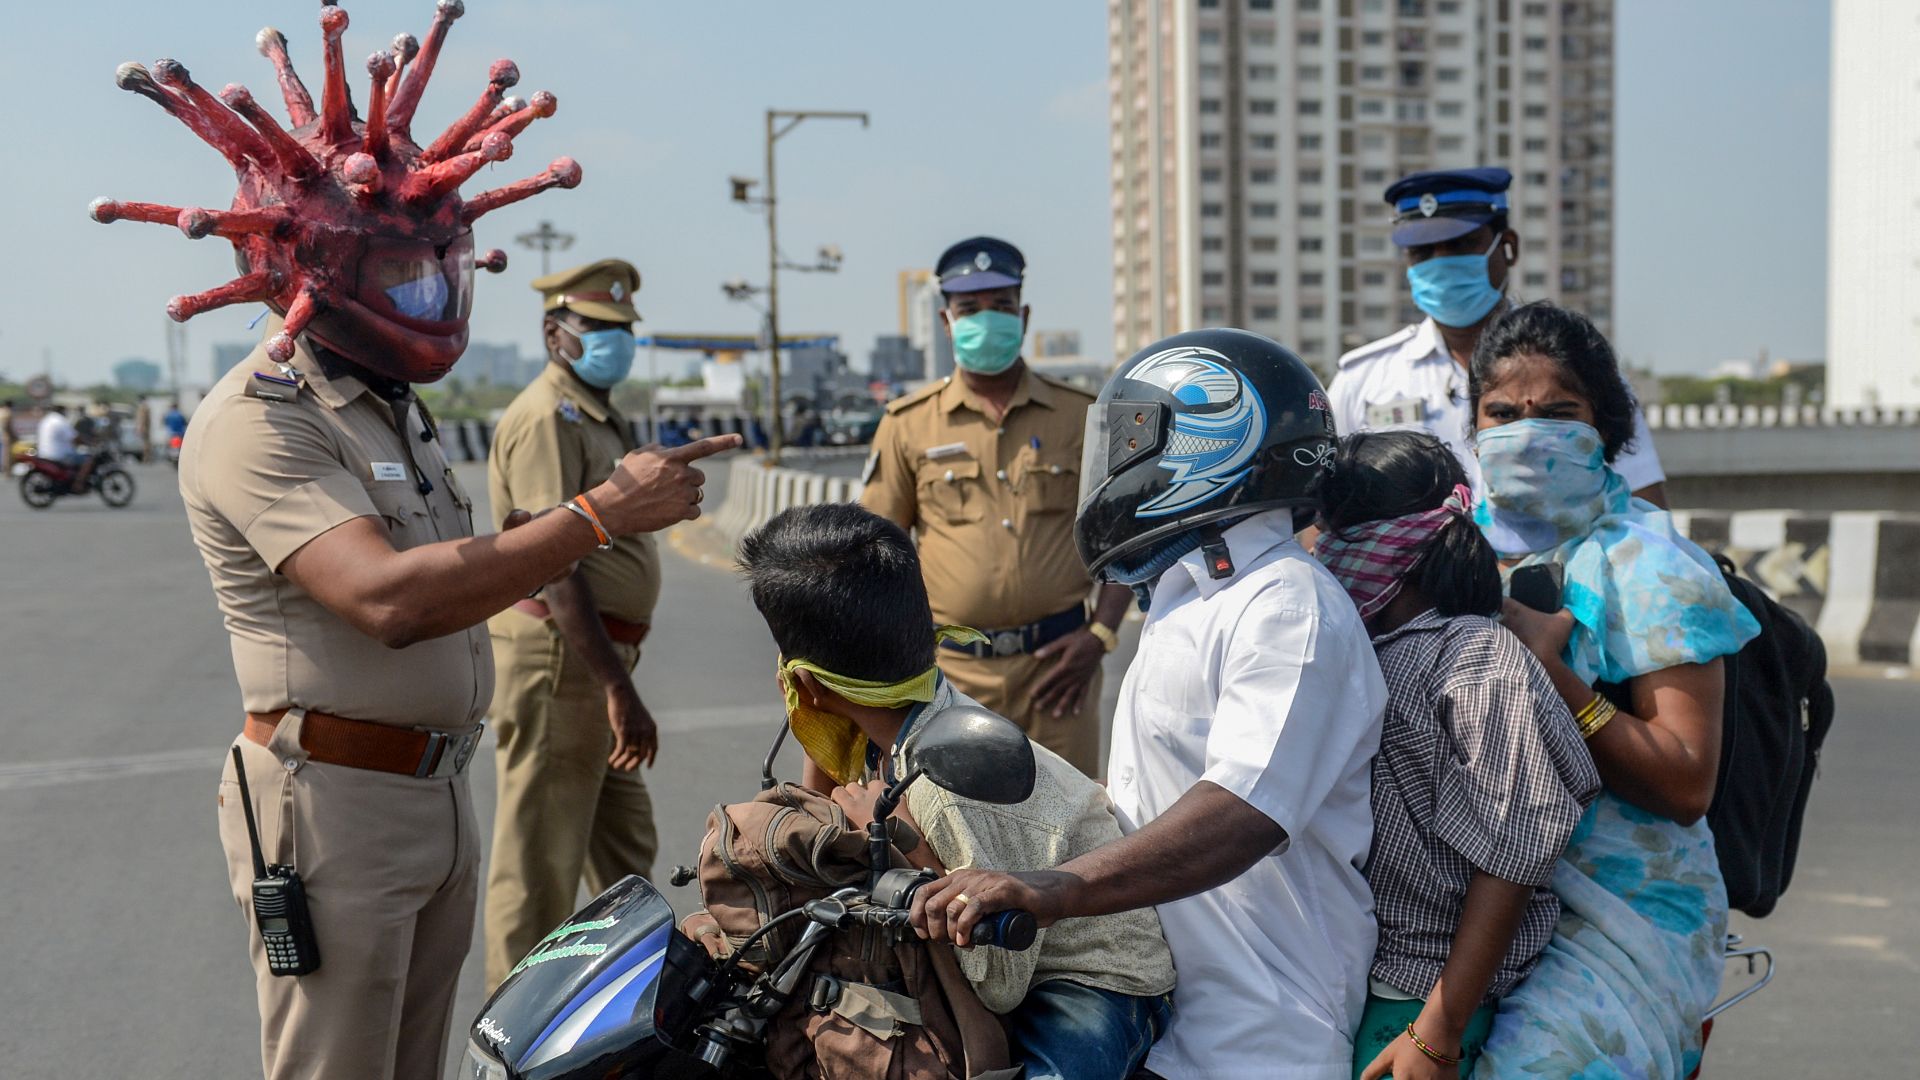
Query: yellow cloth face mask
[(836, 743)]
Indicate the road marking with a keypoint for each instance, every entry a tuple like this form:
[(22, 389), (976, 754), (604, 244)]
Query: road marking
[(1854, 899), (32, 774), (44, 773), (1859, 941)]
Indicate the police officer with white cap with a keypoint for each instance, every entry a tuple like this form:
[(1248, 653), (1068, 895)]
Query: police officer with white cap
[(1452, 226)]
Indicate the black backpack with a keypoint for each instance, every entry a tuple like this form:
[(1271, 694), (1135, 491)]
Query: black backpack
[(1778, 709)]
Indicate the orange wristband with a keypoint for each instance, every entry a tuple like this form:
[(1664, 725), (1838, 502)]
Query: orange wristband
[(579, 505)]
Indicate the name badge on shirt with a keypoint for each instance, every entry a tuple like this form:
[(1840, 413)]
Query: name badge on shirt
[(1401, 412), (389, 470), (946, 450)]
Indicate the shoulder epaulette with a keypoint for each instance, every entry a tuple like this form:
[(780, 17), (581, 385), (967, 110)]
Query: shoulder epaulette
[(930, 390), (1372, 348), (279, 382)]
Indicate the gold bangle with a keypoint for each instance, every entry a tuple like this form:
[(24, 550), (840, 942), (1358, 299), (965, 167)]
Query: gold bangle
[(1585, 712), (1421, 1045), (1601, 717), (1109, 640)]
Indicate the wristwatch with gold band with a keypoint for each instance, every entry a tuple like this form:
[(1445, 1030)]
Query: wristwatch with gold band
[(1108, 639)]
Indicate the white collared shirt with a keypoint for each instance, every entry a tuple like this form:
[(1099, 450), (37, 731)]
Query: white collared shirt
[(1264, 684), (1409, 380), (54, 440)]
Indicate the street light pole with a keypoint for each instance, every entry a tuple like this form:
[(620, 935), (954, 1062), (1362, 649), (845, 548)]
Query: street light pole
[(776, 429), (546, 239)]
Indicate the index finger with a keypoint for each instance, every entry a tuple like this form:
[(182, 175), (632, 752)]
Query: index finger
[(700, 448)]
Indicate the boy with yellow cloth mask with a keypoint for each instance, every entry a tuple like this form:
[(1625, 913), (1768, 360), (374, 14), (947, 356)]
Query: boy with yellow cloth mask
[(841, 590)]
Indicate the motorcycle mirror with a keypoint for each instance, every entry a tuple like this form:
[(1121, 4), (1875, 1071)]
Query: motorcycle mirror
[(972, 753)]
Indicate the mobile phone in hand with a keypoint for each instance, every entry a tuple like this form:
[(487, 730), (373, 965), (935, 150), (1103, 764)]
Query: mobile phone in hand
[(1537, 587)]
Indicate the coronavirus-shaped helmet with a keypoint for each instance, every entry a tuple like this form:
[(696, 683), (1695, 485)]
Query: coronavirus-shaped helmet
[(346, 226)]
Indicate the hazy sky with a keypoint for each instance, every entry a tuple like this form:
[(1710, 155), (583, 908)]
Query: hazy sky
[(987, 117)]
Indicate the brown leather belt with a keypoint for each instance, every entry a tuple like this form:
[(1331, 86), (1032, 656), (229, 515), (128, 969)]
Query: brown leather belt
[(618, 630), (357, 744)]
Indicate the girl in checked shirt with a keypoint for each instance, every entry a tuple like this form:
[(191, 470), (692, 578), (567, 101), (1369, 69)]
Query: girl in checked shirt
[(1481, 776)]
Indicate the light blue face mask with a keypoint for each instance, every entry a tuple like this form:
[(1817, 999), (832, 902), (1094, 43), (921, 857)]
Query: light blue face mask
[(422, 298), (606, 356), (1457, 290), (987, 342)]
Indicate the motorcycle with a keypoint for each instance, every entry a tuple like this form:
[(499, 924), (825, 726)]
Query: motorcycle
[(43, 480), (619, 991), (173, 449)]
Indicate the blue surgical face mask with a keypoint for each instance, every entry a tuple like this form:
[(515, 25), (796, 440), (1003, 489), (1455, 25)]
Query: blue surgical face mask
[(1543, 482), (606, 356), (987, 342), (422, 298), (1457, 290)]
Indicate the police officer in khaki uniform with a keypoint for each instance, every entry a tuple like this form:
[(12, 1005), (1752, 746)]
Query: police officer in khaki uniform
[(571, 729), (984, 468), (341, 549)]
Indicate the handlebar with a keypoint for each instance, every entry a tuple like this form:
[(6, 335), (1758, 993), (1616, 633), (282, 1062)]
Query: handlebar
[(1013, 930)]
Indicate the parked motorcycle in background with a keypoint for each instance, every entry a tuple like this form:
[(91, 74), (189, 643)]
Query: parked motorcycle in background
[(42, 480)]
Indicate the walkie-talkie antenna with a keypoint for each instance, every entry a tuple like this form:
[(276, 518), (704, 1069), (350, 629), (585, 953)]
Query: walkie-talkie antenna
[(246, 805)]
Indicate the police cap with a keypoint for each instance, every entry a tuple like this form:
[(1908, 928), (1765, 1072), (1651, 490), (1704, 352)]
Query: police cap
[(980, 263), (602, 290), (1446, 204)]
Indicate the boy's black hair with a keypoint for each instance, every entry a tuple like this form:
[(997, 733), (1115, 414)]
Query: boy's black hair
[(1388, 474), (840, 586), (1572, 341)]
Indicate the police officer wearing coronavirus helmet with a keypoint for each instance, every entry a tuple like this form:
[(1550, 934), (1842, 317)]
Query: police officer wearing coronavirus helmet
[(1451, 226), (1246, 728)]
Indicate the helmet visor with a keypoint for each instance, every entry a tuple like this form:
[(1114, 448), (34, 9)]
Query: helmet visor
[(416, 281), (1093, 452)]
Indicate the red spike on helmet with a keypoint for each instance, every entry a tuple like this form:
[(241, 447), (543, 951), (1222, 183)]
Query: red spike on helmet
[(348, 228)]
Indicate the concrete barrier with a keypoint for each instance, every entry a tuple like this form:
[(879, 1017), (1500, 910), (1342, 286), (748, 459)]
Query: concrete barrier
[(757, 491)]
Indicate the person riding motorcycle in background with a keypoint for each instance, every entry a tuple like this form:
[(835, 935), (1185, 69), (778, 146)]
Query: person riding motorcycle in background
[(1247, 723)]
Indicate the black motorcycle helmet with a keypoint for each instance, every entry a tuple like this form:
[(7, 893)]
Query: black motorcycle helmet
[(1202, 428)]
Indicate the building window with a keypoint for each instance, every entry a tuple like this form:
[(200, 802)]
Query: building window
[(1536, 279), (1448, 41), (1373, 278), (1308, 38), (1373, 73), (1211, 71), (1263, 245), (1213, 314), (1373, 176), (1410, 110), (1372, 107), (1535, 213), (1374, 313), (1309, 107), (1261, 37), (1213, 279), (1449, 144), (1445, 74), (1447, 7), (1309, 210), (1373, 140), (1266, 312), (1373, 39), (1310, 73), (1211, 140), (1263, 210), (1264, 279), (1209, 105), (1311, 279), (1535, 112), (1449, 109), (1213, 243), (1210, 36), (1534, 146), (1212, 209), (1259, 5), (1373, 245), (1310, 175), (1536, 77), (1210, 174), (1535, 11), (1263, 106), (1260, 176), (1313, 346), (1264, 141), (1204, 4), (1310, 141), (1262, 72), (1312, 312), (1309, 244), (1535, 44)]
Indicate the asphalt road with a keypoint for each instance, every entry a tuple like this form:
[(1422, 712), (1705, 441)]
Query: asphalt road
[(121, 953)]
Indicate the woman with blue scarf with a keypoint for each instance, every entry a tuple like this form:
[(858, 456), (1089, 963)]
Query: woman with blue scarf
[(1636, 959)]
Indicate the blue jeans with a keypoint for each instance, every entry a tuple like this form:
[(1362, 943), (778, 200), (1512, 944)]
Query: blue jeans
[(1068, 1031)]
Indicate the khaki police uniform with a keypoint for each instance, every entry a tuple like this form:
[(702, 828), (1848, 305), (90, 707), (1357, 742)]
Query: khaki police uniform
[(564, 815), (390, 861), (992, 506)]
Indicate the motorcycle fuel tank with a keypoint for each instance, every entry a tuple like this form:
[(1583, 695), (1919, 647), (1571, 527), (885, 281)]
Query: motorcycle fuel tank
[(597, 997)]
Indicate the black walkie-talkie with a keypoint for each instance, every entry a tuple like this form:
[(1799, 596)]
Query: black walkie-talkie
[(279, 900)]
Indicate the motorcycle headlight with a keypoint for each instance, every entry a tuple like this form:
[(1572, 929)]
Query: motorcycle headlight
[(480, 1065)]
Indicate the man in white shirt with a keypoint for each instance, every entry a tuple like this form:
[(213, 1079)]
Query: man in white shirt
[(1452, 226), (1246, 725), (56, 440)]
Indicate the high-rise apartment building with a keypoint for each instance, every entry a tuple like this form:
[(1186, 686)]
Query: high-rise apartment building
[(1873, 235), (1252, 141)]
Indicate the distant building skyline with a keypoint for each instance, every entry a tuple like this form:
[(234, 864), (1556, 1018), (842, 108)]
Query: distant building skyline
[(1252, 141)]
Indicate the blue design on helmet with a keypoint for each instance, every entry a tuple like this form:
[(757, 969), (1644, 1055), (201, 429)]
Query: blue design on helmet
[(1216, 431)]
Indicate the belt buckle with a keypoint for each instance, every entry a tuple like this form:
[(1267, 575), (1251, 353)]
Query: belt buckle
[(447, 754), (1007, 642)]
